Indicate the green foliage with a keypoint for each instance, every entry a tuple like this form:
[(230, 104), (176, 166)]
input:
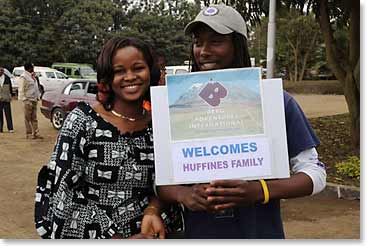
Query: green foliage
[(47, 31), (298, 44), (350, 168), (83, 29)]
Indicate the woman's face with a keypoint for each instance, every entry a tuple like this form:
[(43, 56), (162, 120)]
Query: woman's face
[(212, 50), (131, 74)]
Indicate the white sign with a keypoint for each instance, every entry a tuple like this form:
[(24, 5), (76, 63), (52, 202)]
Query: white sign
[(198, 138), (221, 159)]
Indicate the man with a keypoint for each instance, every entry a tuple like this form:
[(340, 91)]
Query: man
[(6, 92), (29, 95), (237, 208)]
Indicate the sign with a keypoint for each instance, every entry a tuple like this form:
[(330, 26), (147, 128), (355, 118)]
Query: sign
[(212, 125)]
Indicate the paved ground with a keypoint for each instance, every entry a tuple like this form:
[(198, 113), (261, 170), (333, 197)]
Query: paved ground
[(316, 217)]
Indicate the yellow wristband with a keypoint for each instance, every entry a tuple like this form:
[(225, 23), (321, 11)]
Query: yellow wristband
[(265, 190)]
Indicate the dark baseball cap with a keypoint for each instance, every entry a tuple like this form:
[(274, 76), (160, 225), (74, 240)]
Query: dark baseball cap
[(221, 18)]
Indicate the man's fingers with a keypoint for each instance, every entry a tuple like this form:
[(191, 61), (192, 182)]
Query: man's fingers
[(224, 206), (212, 191), (226, 183), (224, 199)]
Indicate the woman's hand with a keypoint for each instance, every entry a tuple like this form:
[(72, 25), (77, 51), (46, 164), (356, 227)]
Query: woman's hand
[(195, 198), (223, 194), (152, 223)]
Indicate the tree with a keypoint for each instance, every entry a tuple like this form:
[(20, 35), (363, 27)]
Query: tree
[(161, 24), (83, 29), (297, 38), (297, 46), (331, 16), (343, 64)]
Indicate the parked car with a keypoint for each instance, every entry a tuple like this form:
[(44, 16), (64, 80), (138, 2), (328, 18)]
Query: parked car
[(50, 79), (177, 69), (76, 70), (14, 82), (55, 105)]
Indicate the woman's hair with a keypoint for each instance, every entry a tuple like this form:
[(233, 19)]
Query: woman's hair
[(241, 53), (105, 72)]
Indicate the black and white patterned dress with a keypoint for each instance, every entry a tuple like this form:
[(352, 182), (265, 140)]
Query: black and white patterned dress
[(98, 181)]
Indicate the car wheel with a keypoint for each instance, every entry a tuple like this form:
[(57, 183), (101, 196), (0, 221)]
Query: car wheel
[(57, 118)]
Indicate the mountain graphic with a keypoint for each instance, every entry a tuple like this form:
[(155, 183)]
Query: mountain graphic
[(235, 95)]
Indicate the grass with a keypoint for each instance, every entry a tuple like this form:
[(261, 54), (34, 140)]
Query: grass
[(334, 134)]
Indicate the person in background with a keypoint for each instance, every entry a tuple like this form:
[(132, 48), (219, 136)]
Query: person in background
[(238, 208), (29, 94), (6, 92), (99, 181)]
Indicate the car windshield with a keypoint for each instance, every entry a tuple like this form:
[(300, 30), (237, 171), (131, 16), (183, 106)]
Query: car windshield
[(87, 71)]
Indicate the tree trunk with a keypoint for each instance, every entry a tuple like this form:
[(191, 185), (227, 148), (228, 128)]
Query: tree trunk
[(305, 57), (344, 74), (352, 97)]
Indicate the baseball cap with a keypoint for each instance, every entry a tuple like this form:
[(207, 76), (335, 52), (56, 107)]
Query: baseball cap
[(221, 18)]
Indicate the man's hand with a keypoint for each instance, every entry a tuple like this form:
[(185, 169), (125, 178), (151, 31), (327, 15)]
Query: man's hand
[(223, 194), (195, 198)]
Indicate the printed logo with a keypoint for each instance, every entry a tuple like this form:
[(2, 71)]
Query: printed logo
[(211, 11), (212, 93)]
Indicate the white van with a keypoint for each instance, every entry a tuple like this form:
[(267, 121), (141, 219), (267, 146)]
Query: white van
[(177, 69), (50, 79)]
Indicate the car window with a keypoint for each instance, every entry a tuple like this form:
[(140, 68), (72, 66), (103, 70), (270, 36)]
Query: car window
[(50, 75), (67, 89), (169, 71), (39, 74), (68, 71), (77, 72), (76, 92), (60, 75), (87, 71), (77, 89), (61, 69), (92, 89)]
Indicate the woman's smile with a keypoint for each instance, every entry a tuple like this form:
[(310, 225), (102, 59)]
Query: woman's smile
[(132, 74)]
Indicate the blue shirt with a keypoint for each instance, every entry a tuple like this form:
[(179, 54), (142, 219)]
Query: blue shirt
[(258, 220)]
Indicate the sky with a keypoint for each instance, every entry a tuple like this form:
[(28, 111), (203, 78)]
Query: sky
[(177, 85)]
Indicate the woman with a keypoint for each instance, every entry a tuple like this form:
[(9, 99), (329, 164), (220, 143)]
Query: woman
[(99, 181), (237, 208)]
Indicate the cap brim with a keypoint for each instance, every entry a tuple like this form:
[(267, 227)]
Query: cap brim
[(213, 25)]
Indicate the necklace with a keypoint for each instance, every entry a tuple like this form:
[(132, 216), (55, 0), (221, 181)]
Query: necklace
[(125, 117)]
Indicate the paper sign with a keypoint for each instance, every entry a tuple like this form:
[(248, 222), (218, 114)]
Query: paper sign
[(221, 159), (223, 124)]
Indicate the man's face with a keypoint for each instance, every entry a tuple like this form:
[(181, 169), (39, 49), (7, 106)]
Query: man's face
[(212, 50)]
